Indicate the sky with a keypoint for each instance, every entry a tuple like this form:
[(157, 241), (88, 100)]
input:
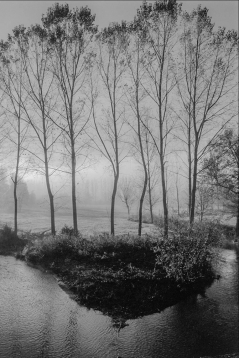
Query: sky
[(14, 13)]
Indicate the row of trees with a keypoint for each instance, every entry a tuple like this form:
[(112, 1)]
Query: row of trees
[(164, 83)]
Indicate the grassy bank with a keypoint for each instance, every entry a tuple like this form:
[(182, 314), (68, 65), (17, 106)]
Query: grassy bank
[(126, 276)]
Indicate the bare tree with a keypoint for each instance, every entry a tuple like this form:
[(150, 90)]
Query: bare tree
[(38, 84), (11, 73), (206, 83), (127, 192), (160, 22), (70, 33), (135, 95), (111, 67)]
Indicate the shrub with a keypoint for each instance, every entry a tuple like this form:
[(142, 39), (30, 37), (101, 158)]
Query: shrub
[(101, 248), (67, 230), (184, 260), (10, 242), (50, 247), (7, 233)]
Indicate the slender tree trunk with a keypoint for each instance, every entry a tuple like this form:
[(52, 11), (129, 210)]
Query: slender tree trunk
[(116, 179), (161, 135), (141, 202), (150, 197), (15, 206), (194, 186), (73, 187), (202, 211), (189, 173), (165, 207), (149, 183), (128, 210), (177, 197), (16, 174), (51, 197), (151, 207), (112, 213), (164, 190)]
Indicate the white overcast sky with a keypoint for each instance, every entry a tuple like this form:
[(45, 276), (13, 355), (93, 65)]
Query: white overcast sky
[(13, 13)]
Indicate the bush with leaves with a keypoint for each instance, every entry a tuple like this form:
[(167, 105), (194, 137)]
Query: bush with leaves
[(9, 241), (184, 260), (6, 233)]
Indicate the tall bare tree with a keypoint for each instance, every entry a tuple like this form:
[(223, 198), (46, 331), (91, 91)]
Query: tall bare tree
[(111, 66), (135, 95), (207, 84), (70, 33), (37, 82), (159, 21), (11, 74)]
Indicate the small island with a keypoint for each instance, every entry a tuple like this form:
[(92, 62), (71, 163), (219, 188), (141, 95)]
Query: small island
[(126, 276)]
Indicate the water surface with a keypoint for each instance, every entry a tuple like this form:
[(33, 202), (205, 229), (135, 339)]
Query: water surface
[(39, 319)]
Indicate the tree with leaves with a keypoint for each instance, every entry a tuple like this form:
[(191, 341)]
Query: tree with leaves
[(204, 198), (221, 167)]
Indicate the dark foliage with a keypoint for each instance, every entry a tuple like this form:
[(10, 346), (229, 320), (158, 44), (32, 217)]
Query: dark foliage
[(9, 242), (126, 276)]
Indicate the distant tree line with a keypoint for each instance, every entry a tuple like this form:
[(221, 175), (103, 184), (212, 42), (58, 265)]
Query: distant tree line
[(162, 85)]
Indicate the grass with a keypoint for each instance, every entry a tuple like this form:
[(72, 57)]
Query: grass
[(91, 220)]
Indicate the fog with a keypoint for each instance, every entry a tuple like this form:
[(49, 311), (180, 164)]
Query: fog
[(97, 119)]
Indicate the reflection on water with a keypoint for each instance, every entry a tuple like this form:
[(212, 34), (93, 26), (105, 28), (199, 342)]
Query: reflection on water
[(38, 319)]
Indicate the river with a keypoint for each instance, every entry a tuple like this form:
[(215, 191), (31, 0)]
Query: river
[(39, 319)]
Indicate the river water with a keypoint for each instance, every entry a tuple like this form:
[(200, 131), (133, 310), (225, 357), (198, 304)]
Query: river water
[(39, 319)]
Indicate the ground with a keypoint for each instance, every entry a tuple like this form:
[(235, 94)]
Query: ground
[(91, 220)]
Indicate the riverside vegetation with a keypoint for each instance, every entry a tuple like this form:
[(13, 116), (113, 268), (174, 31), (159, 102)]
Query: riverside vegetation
[(127, 276)]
